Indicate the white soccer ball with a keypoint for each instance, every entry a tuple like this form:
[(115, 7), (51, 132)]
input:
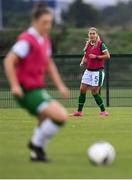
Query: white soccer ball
[(101, 153)]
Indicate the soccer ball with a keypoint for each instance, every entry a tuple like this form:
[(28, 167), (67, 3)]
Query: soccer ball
[(101, 153)]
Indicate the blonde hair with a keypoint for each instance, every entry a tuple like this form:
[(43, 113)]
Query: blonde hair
[(97, 39)]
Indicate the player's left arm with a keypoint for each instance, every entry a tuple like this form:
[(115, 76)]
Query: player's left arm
[(56, 78), (105, 53)]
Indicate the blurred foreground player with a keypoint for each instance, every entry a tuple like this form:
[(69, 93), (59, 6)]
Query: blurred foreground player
[(26, 66)]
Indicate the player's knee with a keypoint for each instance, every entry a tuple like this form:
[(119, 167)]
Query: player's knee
[(63, 115), (94, 92), (82, 90)]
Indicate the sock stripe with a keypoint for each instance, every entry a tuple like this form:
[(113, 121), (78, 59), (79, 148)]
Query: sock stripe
[(101, 104)]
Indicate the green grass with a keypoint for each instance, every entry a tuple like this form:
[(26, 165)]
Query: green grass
[(68, 148)]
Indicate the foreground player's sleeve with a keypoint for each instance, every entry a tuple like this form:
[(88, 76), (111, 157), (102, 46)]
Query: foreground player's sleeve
[(21, 48), (103, 47)]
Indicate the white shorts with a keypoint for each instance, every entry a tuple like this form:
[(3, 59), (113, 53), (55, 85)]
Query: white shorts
[(93, 78)]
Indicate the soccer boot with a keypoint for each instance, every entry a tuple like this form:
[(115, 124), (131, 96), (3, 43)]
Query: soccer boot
[(77, 113), (37, 153), (104, 113)]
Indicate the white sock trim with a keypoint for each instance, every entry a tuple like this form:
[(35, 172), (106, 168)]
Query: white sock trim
[(42, 106)]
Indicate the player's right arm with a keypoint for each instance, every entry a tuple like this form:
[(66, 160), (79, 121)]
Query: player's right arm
[(19, 50), (83, 60), (9, 65)]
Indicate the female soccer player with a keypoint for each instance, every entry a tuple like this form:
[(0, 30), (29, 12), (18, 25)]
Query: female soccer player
[(26, 66), (95, 52)]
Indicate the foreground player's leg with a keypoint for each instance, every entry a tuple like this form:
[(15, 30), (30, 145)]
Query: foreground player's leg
[(47, 128), (42, 134)]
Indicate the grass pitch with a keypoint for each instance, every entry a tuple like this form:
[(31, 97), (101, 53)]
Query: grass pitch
[(68, 148)]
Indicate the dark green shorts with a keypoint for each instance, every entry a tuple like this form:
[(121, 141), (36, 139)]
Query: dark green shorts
[(34, 100)]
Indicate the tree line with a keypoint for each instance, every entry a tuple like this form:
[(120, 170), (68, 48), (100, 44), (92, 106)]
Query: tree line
[(16, 13), (81, 14)]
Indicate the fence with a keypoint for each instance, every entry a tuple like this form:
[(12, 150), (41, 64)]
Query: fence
[(117, 89)]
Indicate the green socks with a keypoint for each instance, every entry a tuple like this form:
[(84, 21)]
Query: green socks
[(97, 98), (81, 102), (99, 102)]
